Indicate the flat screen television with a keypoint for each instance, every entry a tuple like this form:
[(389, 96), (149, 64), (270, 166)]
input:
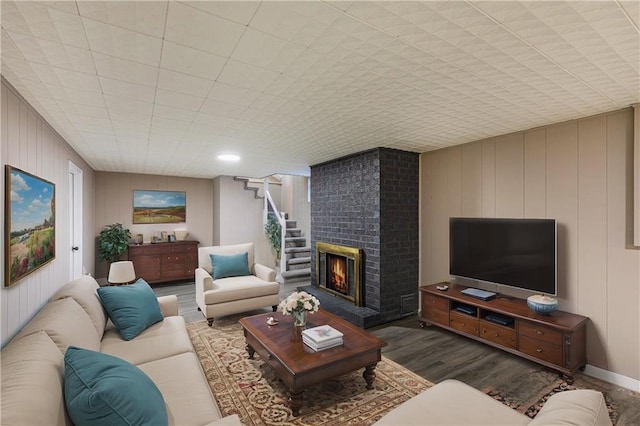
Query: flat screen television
[(519, 253)]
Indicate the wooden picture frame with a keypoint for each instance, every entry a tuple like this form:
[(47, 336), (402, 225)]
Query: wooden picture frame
[(153, 207), (30, 234)]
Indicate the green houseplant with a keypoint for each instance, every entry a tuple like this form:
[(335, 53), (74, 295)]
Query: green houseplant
[(113, 242), (274, 234)]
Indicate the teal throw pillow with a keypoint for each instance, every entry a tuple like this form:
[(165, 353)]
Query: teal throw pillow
[(101, 389), (132, 308), (230, 266)]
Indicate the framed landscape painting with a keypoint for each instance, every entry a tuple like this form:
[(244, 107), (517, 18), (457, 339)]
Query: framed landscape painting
[(159, 207), (29, 224)]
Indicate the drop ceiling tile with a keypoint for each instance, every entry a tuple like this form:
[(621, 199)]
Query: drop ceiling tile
[(180, 114), (282, 22), (146, 17), (246, 76), (183, 83), (68, 79), (233, 95), (85, 110), (238, 11), (222, 109), (265, 51), (191, 61), (123, 70), (178, 100), (192, 28), (128, 90), (124, 44), (48, 23), (122, 106)]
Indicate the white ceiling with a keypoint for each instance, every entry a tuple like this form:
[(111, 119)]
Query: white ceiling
[(162, 87)]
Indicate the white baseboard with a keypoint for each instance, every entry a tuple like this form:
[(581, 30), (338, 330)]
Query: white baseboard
[(615, 378)]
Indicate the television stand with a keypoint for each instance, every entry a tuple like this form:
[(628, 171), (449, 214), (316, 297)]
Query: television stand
[(557, 341)]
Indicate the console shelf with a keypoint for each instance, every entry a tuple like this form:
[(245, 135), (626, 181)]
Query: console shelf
[(557, 341)]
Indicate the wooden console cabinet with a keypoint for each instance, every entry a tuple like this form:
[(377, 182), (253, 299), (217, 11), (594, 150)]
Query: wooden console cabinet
[(164, 262), (557, 341)]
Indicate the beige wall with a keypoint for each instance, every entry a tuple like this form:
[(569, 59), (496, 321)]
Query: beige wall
[(295, 201), (240, 217), (29, 144), (580, 173), (114, 203)]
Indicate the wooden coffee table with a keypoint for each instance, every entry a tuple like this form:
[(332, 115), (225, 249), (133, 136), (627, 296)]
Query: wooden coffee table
[(297, 365)]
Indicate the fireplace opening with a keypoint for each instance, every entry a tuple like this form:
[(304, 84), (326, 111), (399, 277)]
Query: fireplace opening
[(338, 271), (337, 274)]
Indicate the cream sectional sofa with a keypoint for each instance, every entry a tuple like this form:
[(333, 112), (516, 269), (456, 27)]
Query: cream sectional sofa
[(454, 403), (33, 361)]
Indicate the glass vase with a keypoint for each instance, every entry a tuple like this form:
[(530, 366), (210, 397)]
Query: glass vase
[(299, 318)]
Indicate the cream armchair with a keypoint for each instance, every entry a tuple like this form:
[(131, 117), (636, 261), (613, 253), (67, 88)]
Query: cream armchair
[(234, 294)]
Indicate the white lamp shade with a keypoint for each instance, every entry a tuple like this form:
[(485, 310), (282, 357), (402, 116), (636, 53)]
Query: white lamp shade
[(121, 272)]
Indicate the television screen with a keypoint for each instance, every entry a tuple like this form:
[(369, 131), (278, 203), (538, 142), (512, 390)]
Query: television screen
[(513, 252)]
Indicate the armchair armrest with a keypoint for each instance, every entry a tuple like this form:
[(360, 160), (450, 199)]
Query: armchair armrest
[(168, 305), (264, 272), (204, 281)]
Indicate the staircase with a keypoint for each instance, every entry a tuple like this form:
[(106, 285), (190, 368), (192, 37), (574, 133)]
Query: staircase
[(298, 255)]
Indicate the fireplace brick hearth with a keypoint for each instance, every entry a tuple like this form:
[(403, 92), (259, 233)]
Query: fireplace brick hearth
[(369, 201)]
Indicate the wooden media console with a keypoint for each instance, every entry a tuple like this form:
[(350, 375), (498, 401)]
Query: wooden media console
[(557, 340)]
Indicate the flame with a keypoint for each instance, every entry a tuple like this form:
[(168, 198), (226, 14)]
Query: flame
[(339, 275)]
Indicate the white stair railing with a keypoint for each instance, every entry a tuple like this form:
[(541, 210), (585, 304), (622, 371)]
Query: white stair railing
[(268, 201)]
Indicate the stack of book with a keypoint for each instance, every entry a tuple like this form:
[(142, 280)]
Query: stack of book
[(321, 337)]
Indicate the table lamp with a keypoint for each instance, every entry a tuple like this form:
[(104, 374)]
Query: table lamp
[(121, 272)]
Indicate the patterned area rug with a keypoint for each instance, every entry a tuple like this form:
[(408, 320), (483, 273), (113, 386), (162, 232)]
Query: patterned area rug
[(251, 389), (531, 406)]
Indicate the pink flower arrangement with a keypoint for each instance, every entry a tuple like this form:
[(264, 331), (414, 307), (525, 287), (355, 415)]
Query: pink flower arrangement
[(299, 301)]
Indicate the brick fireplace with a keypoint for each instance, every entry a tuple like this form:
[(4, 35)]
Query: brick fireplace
[(368, 202)]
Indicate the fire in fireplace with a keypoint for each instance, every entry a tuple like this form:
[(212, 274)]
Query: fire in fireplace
[(338, 271), (337, 274)]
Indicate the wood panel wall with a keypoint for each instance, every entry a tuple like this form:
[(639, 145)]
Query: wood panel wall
[(28, 143), (580, 173)]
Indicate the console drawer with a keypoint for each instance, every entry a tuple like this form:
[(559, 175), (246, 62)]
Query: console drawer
[(437, 316), (435, 302), (541, 350), (463, 322), (495, 333), (538, 332)]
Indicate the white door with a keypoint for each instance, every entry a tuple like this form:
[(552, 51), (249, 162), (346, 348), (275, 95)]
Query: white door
[(75, 221)]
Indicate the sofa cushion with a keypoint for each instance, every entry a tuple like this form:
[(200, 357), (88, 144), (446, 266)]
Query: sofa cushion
[(32, 381), (102, 389), (234, 265), (83, 291), (577, 407), (161, 340), (66, 323), (239, 288), (185, 389), (132, 308), (452, 403)]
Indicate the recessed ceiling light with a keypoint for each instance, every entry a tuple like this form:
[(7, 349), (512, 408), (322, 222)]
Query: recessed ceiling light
[(229, 157)]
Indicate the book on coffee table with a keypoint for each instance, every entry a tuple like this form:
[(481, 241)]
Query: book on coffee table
[(317, 348), (322, 337)]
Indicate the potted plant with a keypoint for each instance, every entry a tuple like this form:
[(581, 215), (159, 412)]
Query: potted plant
[(274, 234), (113, 242)]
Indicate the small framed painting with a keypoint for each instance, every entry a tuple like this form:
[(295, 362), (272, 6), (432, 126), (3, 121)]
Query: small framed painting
[(30, 234), (159, 207)]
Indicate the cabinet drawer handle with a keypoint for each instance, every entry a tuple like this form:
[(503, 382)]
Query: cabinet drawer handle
[(539, 333), (497, 335), (539, 350)]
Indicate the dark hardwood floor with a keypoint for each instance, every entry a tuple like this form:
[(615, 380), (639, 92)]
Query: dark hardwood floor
[(437, 354)]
